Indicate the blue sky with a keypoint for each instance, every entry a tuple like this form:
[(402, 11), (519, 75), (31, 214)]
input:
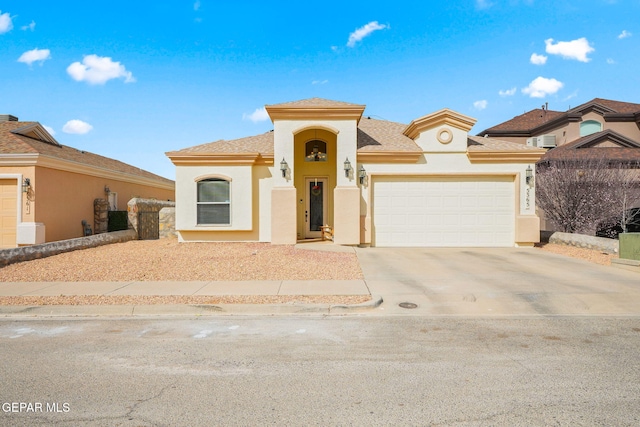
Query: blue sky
[(132, 80)]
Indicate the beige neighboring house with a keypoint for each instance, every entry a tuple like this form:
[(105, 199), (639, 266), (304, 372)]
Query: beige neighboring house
[(368, 181), (48, 189)]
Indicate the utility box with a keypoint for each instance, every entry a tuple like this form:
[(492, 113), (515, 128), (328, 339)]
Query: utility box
[(630, 246)]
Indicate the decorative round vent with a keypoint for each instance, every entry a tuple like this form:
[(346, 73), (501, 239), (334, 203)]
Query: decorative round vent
[(445, 136)]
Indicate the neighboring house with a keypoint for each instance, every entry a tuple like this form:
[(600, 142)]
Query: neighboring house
[(599, 129), (370, 181), (48, 189)]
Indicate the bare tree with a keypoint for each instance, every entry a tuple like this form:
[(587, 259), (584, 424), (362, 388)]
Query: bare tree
[(578, 195), (625, 215)]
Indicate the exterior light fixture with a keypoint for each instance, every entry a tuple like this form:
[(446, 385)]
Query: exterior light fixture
[(283, 167), (347, 168), (362, 174), (26, 185), (107, 190), (529, 176)]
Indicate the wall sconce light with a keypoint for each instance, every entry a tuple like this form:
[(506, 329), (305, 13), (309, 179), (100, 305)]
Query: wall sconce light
[(529, 176), (26, 185), (283, 167), (347, 168), (106, 190), (362, 174)]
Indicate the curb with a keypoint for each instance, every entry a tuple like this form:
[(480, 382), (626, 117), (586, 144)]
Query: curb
[(42, 311)]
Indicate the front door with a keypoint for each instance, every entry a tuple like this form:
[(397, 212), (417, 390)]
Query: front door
[(315, 215)]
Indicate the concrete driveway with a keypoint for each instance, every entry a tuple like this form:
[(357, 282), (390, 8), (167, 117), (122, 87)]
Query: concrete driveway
[(496, 281)]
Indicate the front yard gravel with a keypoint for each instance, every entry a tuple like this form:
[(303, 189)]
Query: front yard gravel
[(168, 260)]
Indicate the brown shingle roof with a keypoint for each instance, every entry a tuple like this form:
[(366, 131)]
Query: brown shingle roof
[(616, 106), (527, 121), (13, 143), (533, 119), (583, 149)]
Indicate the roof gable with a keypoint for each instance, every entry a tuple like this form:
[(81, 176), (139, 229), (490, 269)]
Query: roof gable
[(593, 140), (36, 131), (442, 117)]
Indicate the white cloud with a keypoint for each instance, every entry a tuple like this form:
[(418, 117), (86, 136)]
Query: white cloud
[(538, 59), (5, 22), (50, 130), (508, 92), (541, 87), (575, 49), (364, 31), (260, 115), (483, 4), (31, 26), (196, 5), (624, 34), (320, 82), (480, 105), (76, 126), (98, 70), (610, 61), (31, 56)]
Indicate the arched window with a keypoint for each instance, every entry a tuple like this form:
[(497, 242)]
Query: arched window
[(590, 126), (214, 204), (315, 151)]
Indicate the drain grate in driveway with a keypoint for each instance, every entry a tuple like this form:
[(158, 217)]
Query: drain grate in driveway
[(408, 305)]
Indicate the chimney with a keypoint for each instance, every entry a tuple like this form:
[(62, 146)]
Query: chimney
[(8, 118)]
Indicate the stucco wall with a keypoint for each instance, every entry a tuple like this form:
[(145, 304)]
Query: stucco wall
[(250, 200), (63, 199)]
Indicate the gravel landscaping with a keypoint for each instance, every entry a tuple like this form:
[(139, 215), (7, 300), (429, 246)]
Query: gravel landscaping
[(168, 260), (590, 255)]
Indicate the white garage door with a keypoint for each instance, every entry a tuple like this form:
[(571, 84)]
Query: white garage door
[(456, 211)]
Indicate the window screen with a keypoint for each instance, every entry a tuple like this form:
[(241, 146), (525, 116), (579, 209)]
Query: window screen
[(214, 205)]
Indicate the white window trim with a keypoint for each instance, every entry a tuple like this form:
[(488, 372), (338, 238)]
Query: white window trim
[(229, 203)]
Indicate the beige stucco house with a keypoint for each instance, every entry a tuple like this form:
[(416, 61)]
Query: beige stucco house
[(327, 165), (47, 189)]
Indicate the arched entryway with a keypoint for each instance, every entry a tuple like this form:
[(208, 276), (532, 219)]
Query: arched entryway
[(315, 180)]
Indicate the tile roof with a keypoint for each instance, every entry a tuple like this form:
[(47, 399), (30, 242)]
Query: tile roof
[(13, 143)]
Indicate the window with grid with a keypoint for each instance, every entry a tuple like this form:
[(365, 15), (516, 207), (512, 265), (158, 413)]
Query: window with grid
[(214, 206)]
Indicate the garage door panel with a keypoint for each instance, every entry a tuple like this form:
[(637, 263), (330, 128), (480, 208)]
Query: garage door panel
[(462, 211)]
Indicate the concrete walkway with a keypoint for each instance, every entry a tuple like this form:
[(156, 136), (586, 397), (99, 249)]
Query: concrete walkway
[(212, 288), (433, 281)]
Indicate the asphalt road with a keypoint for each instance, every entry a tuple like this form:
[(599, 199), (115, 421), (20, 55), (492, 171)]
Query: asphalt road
[(454, 371)]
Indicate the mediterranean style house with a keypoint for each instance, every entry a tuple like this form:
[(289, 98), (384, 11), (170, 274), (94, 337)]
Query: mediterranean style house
[(48, 189), (326, 169)]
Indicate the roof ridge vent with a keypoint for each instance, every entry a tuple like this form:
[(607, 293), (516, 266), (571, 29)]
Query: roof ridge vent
[(8, 118)]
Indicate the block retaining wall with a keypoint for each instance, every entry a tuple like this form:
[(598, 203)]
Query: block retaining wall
[(28, 253), (582, 241)]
